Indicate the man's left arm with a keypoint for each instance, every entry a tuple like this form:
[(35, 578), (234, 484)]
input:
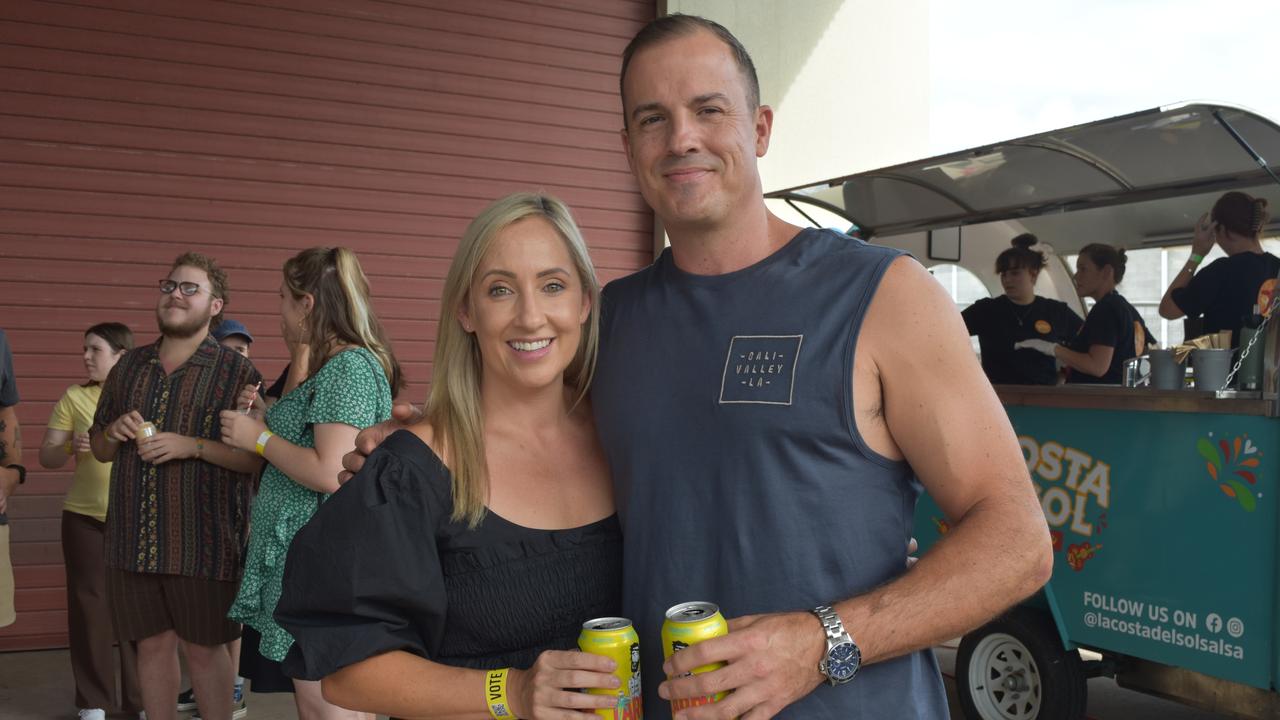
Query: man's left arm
[(943, 417), (10, 453)]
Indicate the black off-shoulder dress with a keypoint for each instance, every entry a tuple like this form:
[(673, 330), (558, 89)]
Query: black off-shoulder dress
[(381, 567)]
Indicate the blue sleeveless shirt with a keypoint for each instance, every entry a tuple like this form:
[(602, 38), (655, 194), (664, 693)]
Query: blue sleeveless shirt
[(724, 406)]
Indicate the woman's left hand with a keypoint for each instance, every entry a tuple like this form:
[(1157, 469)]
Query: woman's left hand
[(241, 431)]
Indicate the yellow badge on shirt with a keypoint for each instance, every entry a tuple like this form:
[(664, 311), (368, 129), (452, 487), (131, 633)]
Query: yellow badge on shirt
[(1043, 327)]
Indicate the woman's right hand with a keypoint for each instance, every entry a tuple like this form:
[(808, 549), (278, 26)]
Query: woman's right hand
[(1202, 241), (548, 689)]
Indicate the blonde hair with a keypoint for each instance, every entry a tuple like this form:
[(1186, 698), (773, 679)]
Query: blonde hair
[(453, 406), (342, 313)]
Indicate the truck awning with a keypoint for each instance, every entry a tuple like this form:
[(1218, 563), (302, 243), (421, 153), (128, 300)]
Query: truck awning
[(1137, 179)]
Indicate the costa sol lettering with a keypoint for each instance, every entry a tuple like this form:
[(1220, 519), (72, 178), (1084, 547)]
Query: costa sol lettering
[(1069, 482)]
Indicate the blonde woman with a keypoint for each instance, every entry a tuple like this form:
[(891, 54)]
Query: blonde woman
[(471, 547), (342, 379), (84, 514)]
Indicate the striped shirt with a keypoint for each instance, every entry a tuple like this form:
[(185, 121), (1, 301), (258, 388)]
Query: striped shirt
[(183, 517)]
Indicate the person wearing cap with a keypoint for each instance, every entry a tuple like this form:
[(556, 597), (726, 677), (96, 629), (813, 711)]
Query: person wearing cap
[(233, 334)]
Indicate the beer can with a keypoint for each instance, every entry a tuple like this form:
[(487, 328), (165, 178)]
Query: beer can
[(145, 430), (615, 637), (688, 624)]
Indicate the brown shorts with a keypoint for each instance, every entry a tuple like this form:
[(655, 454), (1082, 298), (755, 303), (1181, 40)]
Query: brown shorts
[(145, 604)]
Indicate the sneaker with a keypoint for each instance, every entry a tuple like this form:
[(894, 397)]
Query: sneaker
[(238, 710), (187, 700), (93, 714)]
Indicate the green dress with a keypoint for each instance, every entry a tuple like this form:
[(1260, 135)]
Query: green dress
[(350, 389)]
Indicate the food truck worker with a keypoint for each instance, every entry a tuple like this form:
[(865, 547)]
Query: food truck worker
[(1225, 291), (1112, 333), (1019, 314)]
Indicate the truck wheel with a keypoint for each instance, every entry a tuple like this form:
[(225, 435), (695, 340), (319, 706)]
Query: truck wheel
[(1015, 668)]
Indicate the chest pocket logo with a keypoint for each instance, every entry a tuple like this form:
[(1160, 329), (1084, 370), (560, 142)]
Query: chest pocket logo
[(1043, 327), (760, 369)]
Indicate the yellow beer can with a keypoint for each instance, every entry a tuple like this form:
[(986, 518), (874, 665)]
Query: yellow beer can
[(687, 624), (615, 637)]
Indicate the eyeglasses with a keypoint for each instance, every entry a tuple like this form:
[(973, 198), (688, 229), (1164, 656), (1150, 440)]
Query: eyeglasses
[(186, 288)]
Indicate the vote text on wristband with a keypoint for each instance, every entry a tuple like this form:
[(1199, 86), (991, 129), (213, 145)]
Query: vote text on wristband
[(261, 446), (495, 694)]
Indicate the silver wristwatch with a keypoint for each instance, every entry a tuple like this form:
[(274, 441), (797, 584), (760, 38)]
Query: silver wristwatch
[(843, 657)]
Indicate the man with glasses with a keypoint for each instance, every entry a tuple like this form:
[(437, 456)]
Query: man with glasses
[(179, 498)]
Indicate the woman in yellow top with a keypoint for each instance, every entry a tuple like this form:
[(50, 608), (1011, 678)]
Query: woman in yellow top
[(83, 514)]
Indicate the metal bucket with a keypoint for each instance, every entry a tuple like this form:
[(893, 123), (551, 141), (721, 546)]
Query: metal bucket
[(1166, 373), (1210, 367)]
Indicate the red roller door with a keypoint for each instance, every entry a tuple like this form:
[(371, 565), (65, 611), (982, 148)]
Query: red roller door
[(132, 130)]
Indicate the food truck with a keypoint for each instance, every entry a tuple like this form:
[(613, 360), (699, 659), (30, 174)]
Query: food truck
[(1163, 505)]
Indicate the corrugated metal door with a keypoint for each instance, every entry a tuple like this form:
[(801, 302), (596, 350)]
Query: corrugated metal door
[(132, 130)]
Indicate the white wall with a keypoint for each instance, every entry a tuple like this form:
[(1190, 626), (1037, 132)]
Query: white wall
[(848, 81)]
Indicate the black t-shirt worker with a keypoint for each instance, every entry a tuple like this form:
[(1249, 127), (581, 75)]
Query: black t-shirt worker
[(1226, 291), (1019, 314), (1112, 333)]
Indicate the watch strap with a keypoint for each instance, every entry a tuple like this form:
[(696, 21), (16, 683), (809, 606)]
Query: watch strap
[(832, 625)]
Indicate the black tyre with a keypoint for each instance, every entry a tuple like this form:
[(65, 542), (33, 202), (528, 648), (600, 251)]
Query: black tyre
[(1015, 668)]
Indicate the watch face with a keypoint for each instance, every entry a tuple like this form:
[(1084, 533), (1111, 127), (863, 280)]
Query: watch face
[(843, 661)]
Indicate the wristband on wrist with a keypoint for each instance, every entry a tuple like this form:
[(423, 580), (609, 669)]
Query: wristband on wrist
[(261, 446), (1195, 259), (199, 447), (495, 694), (68, 448)]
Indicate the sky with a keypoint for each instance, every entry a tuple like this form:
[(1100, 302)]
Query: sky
[(1001, 69)]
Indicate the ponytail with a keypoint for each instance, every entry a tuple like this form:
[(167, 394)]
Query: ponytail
[(1241, 214), (343, 313), (1107, 256)]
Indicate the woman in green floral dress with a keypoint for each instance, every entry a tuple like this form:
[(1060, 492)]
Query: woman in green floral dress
[(342, 379)]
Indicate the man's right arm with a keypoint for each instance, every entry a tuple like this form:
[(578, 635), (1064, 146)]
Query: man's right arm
[(403, 415)]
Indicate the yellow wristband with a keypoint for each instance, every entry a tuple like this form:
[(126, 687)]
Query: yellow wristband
[(495, 694), (67, 447), (262, 441)]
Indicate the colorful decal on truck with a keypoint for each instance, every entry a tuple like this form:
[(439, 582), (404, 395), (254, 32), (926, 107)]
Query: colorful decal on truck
[(1230, 461)]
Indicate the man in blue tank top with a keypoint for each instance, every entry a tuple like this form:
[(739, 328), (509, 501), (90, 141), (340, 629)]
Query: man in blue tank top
[(771, 401)]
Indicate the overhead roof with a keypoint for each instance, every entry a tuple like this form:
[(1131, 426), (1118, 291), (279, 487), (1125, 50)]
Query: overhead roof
[(1133, 180)]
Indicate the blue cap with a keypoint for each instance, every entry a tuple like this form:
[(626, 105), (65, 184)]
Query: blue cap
[(230, 327)]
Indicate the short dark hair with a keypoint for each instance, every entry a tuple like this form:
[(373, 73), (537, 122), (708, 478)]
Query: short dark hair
[(217, 277), (117, 335), (670, 27), (1021, 256)]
